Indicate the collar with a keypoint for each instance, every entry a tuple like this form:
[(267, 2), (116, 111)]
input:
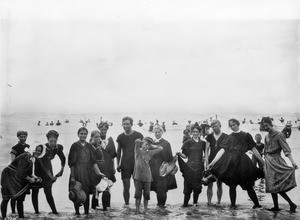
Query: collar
[(236, 131), (158, 140), (273, 132)]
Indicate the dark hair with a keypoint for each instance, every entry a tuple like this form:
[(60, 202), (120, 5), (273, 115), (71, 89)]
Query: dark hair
[(82, 129), (196, 126), (52, 133), (127, 118), (233, 120), (266, 120)]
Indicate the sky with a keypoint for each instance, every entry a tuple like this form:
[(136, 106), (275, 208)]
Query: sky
[(150, 56)]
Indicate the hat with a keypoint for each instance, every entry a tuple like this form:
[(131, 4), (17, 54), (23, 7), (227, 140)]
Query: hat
[(76, 194), (52, 133), (19, 133), (148, 139), (167, 168)]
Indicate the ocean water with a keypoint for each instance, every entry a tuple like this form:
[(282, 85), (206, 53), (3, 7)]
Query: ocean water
[(10, 124)]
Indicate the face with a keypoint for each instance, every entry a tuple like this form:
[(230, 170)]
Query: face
[(234, 126), (267, 127), (145, 146), (52, 141), (96, 138), (22, 139), (195, 133), (258, 138), (158, 133), (206, 131), (127, 125), (38, 151), (216, 128), (82, 135), (103, 131)]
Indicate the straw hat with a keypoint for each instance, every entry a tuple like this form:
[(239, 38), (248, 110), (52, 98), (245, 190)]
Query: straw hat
[(167, 168), (76, 194)]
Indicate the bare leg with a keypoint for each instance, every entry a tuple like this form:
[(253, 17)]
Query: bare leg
[(145, 206), (137, 206), (209, 193), (232, 194), (219, 191), (126, 187)]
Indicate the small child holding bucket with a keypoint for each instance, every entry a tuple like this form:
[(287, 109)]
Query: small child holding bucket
[(143, 151)]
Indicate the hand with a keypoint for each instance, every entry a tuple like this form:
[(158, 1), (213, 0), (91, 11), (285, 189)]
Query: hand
[(209, 166), (72, 179), (119, 169), (59, 174), (31, 179), (295, 165)]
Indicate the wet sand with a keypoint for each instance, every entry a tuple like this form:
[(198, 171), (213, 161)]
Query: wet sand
[(243, 211)]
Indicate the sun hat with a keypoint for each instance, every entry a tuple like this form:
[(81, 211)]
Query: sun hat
[(76, 193), (168, 168)]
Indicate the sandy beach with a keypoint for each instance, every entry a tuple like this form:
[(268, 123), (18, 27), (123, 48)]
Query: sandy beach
[(10, 124)]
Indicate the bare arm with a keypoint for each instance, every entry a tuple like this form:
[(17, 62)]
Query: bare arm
[(12, 157), (207, 151), (257, 155), (292, 161), (181, 154), (119, 151), (97, 170), (217, 158)]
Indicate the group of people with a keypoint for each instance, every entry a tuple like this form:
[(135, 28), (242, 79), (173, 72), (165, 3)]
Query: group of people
[(204, 158)]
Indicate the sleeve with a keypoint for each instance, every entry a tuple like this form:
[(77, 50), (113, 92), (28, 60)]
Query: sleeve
[(111, 149), (72, 158), (208, 138), (61, 155), (226, 143), (13, 150), (184, 148), (283, 144), (167, 152), (23, 165), (92, 150), (118, 139), (250, 142), (141, 136)]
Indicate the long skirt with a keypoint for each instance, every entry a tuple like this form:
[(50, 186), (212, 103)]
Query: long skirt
[(279, 176)]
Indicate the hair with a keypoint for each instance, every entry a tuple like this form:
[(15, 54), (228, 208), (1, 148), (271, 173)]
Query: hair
[(52, 133), (197, 127), (41, 146), (233, 120), (93, 133), (82, 129), (103, 124), (19, 133), (267, 120), (158, 127), (127, 118), (215, 122), (258, 135)]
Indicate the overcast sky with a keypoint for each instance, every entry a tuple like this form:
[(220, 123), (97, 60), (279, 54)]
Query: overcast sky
[(150, 56)]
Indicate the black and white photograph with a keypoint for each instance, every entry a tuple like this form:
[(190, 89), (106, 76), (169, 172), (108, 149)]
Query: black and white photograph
[(150, 109)]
